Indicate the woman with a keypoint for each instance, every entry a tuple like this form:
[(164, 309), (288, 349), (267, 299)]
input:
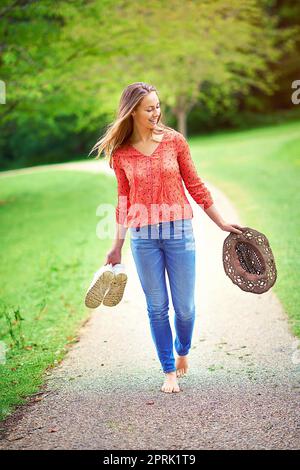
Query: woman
[(150, 161)]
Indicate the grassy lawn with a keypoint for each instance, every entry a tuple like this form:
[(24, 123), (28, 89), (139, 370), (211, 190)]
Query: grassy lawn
[(259, 171), (49, 246), (49, 251)]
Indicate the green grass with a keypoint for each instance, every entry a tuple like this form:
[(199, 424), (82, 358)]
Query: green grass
[(49, 246), (49, 251), (259, 171)]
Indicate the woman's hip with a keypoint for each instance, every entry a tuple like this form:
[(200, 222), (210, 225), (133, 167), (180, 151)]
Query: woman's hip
[(181, 229)]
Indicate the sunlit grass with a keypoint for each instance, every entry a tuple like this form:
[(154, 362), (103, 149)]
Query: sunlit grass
[(49, 247), (259, 171), (49, 251)]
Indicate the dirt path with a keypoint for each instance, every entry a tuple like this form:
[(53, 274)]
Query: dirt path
[(242, 391), (90, 165)]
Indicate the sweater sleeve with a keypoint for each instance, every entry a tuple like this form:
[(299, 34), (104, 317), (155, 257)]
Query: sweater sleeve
[(192, 181), (123, 203)]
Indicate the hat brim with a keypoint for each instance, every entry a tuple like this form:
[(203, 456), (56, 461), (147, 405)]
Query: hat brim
[(259, 245)]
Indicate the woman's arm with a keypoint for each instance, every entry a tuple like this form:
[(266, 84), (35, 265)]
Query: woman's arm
[(114, 256), (197, 188), (192, 180), (123, 204), (122, 208), (120, 236), (217, 218)]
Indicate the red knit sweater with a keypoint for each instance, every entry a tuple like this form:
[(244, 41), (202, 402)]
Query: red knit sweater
[(150, 188)]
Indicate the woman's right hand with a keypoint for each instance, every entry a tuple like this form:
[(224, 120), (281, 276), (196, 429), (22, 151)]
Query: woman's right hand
[(113, 256)]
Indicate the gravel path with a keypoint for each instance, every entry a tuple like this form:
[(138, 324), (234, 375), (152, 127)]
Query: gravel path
[(242, 390)]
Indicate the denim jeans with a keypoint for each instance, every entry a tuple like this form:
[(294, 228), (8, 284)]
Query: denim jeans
[(167, 246)]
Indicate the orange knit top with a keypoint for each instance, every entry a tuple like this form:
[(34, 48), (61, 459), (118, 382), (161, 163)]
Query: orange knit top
[(150, 188)]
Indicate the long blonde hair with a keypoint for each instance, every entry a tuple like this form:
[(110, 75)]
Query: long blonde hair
[(120, 130)]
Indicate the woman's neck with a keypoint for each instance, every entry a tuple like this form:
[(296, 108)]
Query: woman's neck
[(140, 136)]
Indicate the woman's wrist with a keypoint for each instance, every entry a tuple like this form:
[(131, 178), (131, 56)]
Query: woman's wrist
[(118, 245), (215, 216)]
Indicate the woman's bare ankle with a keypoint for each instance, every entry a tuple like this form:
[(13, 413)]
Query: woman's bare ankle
[(170, 385)]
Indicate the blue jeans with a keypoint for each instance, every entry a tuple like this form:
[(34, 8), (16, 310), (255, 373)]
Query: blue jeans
[(167, 246)]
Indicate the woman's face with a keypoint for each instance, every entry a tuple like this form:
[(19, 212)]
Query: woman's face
[(148, 111)]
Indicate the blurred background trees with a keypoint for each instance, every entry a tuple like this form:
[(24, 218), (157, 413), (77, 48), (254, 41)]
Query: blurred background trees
[(216, 65)]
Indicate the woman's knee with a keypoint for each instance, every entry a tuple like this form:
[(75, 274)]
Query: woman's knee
[(185, 312), (158, 308)]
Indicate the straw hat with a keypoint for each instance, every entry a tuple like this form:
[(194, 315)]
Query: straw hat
[(248, 261)]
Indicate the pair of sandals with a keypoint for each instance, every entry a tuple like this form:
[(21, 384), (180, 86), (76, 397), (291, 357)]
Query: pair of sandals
[(107, 286)]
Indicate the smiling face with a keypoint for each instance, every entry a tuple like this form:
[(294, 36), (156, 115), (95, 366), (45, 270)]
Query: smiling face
[(148, 111)]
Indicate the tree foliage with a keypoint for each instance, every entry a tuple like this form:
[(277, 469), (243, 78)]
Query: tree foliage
[(65, 63)]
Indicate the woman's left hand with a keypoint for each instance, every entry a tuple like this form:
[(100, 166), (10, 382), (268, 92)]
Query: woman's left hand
[(232, 228)]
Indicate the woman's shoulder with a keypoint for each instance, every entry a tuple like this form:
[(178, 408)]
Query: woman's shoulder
[(170, 135), (174, 135), (116, 157), (169, 132), (119, 151)]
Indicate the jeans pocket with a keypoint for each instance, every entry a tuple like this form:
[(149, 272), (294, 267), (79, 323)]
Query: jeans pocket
[(187, 230), (188, 236)]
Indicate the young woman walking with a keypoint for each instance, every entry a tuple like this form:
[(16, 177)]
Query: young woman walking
[(150, 160)]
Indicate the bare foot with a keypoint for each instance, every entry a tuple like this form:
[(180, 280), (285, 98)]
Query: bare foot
[(181, 365), (170, 385)]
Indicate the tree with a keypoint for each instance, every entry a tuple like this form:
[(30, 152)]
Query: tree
[(66, 63), (178, 46)]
